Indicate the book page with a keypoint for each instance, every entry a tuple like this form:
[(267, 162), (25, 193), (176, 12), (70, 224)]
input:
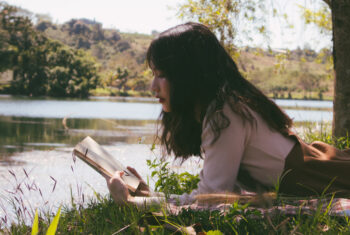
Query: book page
[(92, 153)]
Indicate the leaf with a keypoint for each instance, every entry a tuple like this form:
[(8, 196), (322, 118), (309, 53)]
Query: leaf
[(214, 232), (53, 226), (153, 147), (35, 227)]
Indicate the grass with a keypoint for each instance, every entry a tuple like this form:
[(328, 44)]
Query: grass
[(102, 216), (321, 132)]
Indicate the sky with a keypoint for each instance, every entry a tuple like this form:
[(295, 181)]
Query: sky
[(143, 16)]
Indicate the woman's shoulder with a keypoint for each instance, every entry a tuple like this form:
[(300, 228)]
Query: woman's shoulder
[(228, 111), (224, 121), (240, 119)]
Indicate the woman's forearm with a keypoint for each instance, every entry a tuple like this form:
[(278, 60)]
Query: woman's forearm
[(146, 202)]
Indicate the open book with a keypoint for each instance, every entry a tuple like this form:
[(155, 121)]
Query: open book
[(98, 158)]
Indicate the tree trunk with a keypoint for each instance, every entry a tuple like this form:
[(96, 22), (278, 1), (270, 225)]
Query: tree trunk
[(341, 55)]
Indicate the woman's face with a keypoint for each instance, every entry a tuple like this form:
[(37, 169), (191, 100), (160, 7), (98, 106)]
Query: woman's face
[(161, 87)]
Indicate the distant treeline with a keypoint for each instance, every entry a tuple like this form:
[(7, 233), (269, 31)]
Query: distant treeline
[(80, 58), (301, 73)]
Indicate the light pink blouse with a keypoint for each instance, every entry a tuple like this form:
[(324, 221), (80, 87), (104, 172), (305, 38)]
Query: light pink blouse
[(256, 148)]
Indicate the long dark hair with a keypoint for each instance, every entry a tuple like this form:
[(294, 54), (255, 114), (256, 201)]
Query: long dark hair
[(202, 77)]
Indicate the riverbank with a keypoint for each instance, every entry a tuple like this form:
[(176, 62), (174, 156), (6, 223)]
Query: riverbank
[(112, 92), (147, 96), (115, 92)]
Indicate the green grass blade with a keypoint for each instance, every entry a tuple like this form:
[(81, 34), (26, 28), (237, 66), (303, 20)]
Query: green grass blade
[(214, 232), (53, 226), (35, 227)]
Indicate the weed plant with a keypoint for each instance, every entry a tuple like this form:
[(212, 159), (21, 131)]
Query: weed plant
[(170, 182)]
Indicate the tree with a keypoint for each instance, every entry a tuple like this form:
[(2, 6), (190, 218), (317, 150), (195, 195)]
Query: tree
[(341, 58), (335, 20), (70, 72), (121, 77), (40, 65), (5, 54), (218, 15)]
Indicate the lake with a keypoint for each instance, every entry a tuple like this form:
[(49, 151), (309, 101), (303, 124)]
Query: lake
[(37, 137)]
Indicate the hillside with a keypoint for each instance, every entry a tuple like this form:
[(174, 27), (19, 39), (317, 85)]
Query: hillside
[(290, 74), (117, 53), (121, 69)]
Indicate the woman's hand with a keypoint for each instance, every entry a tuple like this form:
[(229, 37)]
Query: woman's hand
[(118, 189), (143, 189)]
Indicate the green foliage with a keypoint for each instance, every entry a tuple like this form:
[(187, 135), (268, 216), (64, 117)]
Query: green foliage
[(170, 182), (105, 217), (214, 232), (121, 77), (101, 216), (35, 226), (115, 52), (323, 133), (5, 51), (321, 17), (52, 227), (220, 16), (42, 66), (61, 73)]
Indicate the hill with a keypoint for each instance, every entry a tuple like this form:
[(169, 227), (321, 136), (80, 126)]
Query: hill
[(121, 56), (121, 70)]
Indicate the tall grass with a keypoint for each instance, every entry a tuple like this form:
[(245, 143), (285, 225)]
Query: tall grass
[(311, 132)]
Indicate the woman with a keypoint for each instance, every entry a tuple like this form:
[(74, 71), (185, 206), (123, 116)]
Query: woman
[(211, 111)]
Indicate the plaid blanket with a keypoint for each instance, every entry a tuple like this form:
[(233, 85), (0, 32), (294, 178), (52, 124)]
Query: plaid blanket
[(334, 207)]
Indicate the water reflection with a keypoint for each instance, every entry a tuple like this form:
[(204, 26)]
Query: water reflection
[(20, 134)]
